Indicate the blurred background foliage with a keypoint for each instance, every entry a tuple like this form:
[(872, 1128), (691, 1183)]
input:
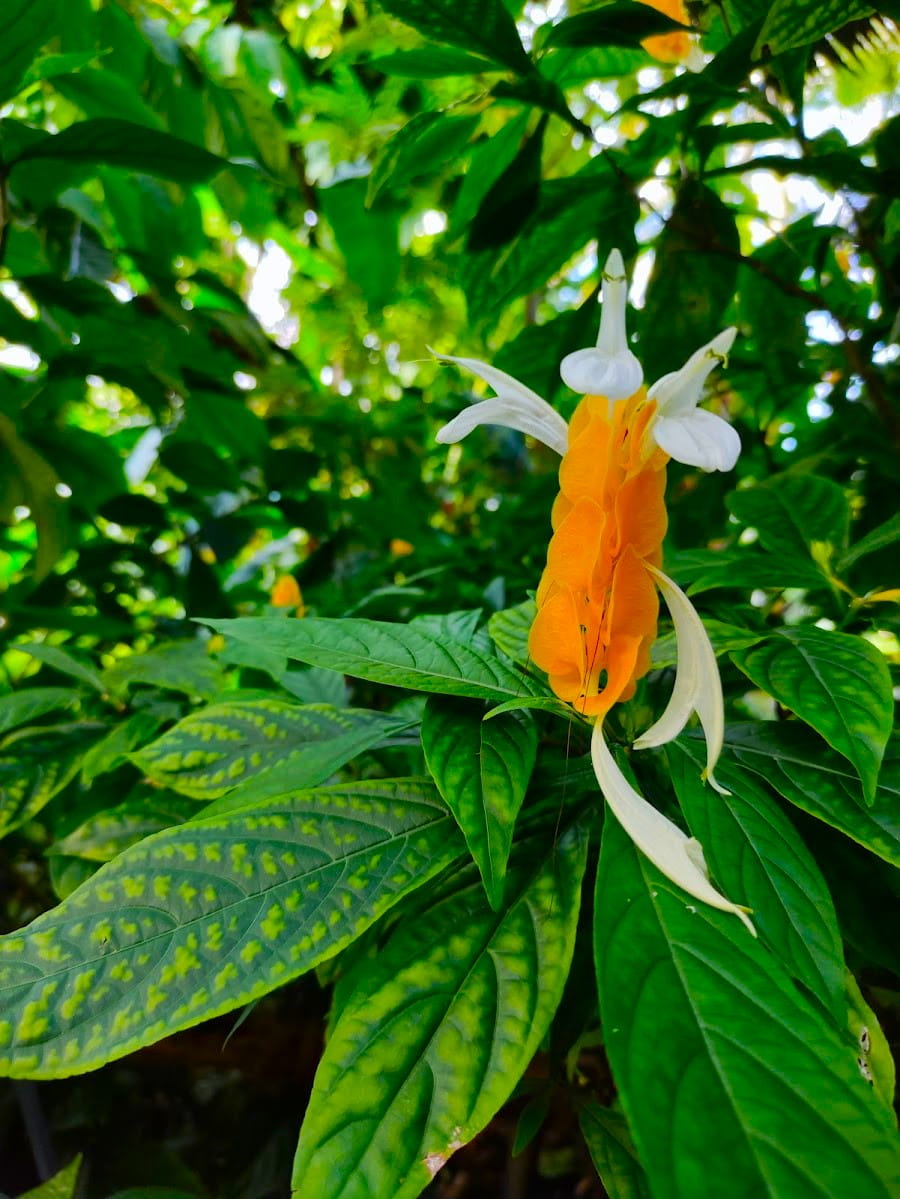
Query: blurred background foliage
[(229, 234)]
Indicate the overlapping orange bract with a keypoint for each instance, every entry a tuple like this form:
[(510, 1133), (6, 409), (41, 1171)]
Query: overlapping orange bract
[(597, 602), (669, 47)]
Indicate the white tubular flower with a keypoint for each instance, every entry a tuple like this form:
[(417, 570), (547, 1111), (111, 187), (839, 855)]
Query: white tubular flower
[(515, 406), (687, 433), (698, 687), (678, 856), (610, 369)]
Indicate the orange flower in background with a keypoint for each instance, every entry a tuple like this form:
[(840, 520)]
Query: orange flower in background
[(597, 602), (287, 594), (669, 47)]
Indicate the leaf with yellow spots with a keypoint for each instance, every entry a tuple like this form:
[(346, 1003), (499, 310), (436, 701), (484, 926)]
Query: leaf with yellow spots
[(210, 752), (397, 654), (439, 1029), (107, 833), (202, 918), (36, 763)]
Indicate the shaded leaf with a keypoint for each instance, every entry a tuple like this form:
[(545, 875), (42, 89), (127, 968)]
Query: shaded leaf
[(693, 278), (176, 666), (422, 146), (609, 25), (110, 141), (61, 660), (484, 26), (21, 707), (35, 764), (25, 26), (612, 1151)]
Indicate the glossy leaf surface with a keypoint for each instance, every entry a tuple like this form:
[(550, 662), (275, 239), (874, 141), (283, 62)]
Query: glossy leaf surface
[(434, 1037), (204, 917)]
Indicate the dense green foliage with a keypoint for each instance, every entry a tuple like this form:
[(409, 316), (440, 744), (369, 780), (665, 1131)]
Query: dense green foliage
[(266, 705)]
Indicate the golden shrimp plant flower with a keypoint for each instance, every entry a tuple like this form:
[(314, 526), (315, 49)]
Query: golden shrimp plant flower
[(597, 601)]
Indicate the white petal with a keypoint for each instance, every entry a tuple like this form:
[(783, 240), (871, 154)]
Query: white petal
[(698, 687), (596, 373), (678, 856), (610, 369), (700, 439), (677, 394), (515, 406)]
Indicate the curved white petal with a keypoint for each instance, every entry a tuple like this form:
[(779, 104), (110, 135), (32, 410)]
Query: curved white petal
[(515, 406), (678, 856), (594, 372), (699, 439), (610, 369), (677, 394), (698, 687)]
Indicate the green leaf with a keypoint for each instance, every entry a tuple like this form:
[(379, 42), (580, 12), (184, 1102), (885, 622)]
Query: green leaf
[(431, 62), (610, 25), (438, 1031), (175, 666), (757, 856), (732, 1082), (61, 1186), (791, 512), (484, 26), (710, 570), (808, 774), (482, 769), (105, 834), (25, 26), (570, 212), (400, 655), (28, 479), (837, 683), (110, 141), (793, 23), (112, 750), (423, 146), (693, 278), (612, 1151), (488, 161), (203, 918), (367, 238), (876, 539), (21, 707), (223, 746), (724, 637), (35, 764), (63, 661)]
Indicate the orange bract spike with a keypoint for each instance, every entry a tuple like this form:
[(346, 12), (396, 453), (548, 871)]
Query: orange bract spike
[(669, 47), (597, 603)]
